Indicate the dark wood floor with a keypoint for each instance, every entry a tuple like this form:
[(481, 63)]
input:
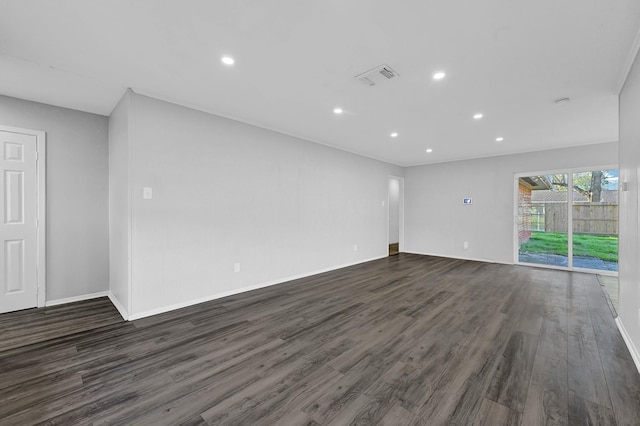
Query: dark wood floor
[(406, 340), (37, 325)]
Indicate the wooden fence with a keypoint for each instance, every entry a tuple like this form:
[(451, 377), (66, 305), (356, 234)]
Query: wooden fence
[(594, 218)]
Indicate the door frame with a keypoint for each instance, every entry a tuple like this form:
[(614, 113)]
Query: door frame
[(570, 171), (400, 213), (41, 219)]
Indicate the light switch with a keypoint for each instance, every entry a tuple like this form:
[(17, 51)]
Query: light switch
[(147, 193)]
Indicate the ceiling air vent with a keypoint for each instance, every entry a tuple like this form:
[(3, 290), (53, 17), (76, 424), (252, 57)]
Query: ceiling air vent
[(376, 75)]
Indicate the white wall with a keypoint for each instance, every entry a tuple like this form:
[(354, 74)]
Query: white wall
[(227, 192), (394, 210), (119, 205), (436, 221), (629, 273), (77, 202)]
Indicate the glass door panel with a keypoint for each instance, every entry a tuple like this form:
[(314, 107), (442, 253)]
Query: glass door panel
[(595, 220), (543, 219)]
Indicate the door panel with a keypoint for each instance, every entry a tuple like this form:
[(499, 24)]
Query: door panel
[(14, 265), (595, 220), (14, 197), (542, 219), (18, 248)]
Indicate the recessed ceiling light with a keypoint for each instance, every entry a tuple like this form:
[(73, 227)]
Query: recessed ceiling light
[(228, 60), (439, 75), (500, 139), (478, 116), (394, 135), (429, 151), (337, 110)]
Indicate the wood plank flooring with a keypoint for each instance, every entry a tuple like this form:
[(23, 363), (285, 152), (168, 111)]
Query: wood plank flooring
[(36, 325), (405, 340), (610, 285)]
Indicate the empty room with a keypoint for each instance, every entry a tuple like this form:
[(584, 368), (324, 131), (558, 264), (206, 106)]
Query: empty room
[(319, 213)]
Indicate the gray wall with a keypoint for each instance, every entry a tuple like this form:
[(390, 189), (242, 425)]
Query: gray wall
[(290, 207), (629, 274), (77, 200), (436, 221), (227, 192)]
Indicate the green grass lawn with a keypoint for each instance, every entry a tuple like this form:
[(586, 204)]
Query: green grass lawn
[(602, 247)]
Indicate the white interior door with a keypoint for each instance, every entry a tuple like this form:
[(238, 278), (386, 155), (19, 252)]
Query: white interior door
[(18, 228)]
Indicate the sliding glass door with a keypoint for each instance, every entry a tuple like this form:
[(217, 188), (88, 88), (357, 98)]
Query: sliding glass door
[(542, 219), (595, 220), (568, 219)]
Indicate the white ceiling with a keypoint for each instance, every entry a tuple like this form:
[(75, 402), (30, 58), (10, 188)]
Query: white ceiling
[(295, 62)]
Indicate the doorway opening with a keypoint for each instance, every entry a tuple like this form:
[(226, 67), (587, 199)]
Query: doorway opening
[(395, 202)]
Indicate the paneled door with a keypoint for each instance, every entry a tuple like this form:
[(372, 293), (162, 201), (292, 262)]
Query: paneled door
[(19, 227)]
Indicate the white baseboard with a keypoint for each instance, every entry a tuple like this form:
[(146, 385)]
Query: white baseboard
[(632, 347), (119, 306), (456, 257), (181, 305), (76, 298)]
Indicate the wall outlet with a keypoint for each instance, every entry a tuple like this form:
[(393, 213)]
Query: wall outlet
[(147, 193), (465, 245), (236, 267), (355, 247)]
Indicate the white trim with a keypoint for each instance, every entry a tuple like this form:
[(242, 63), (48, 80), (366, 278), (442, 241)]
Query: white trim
[(631, 58), (400, 212), (118, 306), (533, 265), (473, 259), (130, 140), (544, 266), (180, 305), (635, 354), (77, 298), (516, 220), (633, 280), (569, 210), (604, 272), (42, 217), (388, 219), (41, 209), (565, 268)]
